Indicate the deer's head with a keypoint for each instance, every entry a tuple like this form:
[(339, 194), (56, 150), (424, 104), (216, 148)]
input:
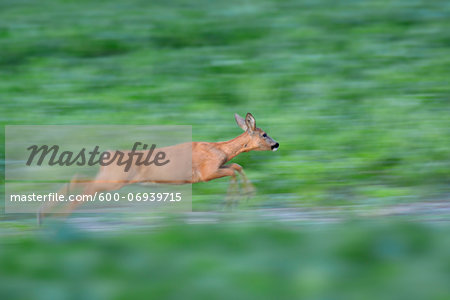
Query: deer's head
[(259, 140)]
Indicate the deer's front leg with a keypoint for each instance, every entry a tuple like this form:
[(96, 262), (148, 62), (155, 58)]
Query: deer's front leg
[(224, 171), (220, 172), (249, 189)]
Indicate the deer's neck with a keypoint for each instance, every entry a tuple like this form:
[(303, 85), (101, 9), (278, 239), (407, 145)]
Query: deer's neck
[(236, 146)]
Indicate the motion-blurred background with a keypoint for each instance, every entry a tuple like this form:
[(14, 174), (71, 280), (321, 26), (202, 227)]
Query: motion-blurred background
[(354, 205)]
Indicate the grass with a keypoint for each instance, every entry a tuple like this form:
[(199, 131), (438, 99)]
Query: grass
[(354, 260), (355, 92)]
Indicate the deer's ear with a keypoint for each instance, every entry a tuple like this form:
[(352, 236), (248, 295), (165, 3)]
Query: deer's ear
[(240, 121), (250, 122)]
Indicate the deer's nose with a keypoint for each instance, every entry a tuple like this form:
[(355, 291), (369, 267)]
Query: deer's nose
[(275, 147)]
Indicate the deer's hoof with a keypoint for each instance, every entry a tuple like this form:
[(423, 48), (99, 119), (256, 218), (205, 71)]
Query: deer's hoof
[(39, 217), (250, 190)]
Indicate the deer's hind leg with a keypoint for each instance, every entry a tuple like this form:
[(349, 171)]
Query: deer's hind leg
[(101, 183), (47, 207)]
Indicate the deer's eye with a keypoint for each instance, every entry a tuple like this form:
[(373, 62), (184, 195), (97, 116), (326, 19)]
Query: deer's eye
[(264, 135)]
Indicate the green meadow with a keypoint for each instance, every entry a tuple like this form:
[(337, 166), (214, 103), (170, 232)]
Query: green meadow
[(231, 260), (357, 93)]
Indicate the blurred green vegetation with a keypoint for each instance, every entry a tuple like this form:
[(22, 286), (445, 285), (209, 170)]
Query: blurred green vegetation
[(356, 92), (356, 260)]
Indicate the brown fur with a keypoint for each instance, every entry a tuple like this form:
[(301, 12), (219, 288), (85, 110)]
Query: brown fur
[(208, 163)]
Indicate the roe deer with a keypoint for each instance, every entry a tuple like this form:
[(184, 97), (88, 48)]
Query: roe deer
[(208, 161)]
